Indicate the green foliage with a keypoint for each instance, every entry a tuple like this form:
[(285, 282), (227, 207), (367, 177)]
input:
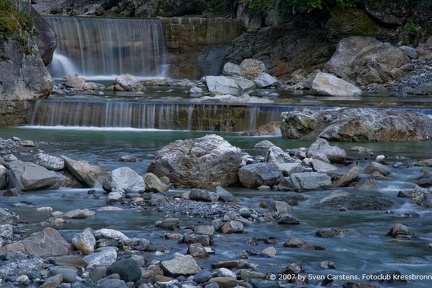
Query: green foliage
[(12, 22)]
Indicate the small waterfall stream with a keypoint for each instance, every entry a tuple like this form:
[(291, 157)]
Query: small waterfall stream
[(103, 47)]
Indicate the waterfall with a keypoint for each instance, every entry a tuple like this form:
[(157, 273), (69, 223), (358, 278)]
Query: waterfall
[(104, 48), (149, 115)]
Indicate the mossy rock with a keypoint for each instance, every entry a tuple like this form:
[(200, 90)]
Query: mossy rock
[(351, 22)]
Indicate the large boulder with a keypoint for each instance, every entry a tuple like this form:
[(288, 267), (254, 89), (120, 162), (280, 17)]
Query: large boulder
[(306, 181), (47, 243), (322, 147), (124, 179), (204, 162), (85, 172), (346, 51), (330, 85), (29, 176), (357, 124), (383, 64), (255, 175), (129, 82)]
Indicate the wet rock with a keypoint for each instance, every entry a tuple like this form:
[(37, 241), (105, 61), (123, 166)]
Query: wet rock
[(52, 163), (3, 175), (264, 144), (74, 82), (225, 282), (254, 175), (154, 184), (305, 181), (128, 269), (84, 171), (332, 232), (46, 243), (296, 242), (280, 207), (288, 219), (79, 214), (269, 251), (204, 162), (124, 179), (367, 200), (330, 85), (203, 276), (158, 200), (180, 265), (84, 241), (29, 176), (288, 168), (398, 229)]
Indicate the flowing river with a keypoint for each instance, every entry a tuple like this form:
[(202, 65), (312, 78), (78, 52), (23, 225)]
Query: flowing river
[(365, 251)]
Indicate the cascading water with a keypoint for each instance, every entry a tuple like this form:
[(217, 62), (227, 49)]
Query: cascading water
[(104, 48), (145, 115)]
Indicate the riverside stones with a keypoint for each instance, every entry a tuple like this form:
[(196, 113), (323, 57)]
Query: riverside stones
[(52, 163), (180, 265), (128, 269), (330, 85), (255, 175), (306, 181), (46, 243), (204, 162), (322, 147), (84, 241)]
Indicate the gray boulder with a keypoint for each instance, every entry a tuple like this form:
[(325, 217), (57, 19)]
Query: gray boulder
[(329, 85), (231, 69), (255, 175), (203, 195), (74, 82), (3, 175), (204, 162), (84, 241), (52, 163), (383, 64), (180, 265), (340, 64), (85, 172), (154, 184), (222, 85), (129, 83), (353, 200), (128, 269), (357, 124), (276, 155), (422, 197), (47, 243), (105, 257), (29, 176), (264, 80), (306, 181), (322, 147), (124, 179)]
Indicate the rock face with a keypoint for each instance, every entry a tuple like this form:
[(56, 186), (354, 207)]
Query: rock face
[(357, 124), (204, 162)]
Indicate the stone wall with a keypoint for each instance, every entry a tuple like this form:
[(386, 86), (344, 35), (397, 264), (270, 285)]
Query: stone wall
[(197, 46), (14, 112)]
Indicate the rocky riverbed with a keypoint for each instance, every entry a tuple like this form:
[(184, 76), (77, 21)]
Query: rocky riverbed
[(184, 243)]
